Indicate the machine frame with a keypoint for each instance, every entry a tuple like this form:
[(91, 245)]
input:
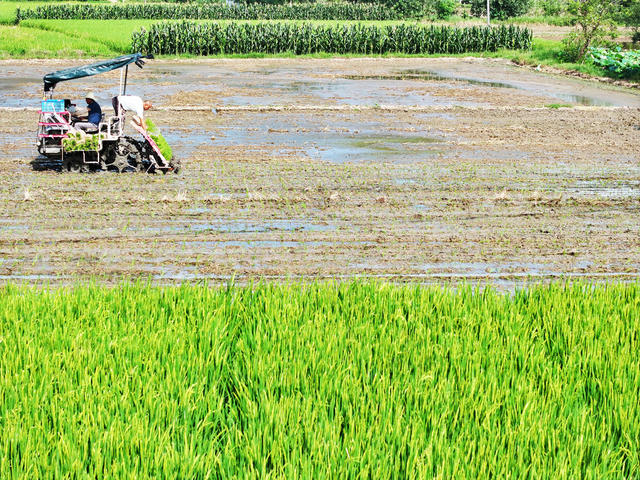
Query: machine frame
[(115, 150)]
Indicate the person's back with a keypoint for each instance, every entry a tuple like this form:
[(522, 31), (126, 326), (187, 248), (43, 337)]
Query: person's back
[(95, 113), (131, 103)]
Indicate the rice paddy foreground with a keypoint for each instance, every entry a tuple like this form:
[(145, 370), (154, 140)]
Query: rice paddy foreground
[(319, 381)]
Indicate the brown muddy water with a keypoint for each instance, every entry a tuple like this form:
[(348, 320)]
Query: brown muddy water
[(427, 170)]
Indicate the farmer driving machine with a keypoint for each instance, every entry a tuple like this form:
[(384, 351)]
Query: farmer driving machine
[(84, 147)]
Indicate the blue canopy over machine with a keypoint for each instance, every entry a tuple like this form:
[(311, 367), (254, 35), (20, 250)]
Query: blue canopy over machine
[(52, 79)]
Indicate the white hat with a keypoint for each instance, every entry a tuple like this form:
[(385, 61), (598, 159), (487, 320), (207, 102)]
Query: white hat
[(92, 96)]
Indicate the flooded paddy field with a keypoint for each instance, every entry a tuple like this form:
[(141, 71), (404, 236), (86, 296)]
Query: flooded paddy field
[(412, 169)]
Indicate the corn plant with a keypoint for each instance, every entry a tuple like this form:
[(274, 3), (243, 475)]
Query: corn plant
[(254, 11), (174, 38)]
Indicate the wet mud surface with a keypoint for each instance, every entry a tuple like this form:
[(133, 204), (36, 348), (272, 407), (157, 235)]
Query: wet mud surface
[(338, 81), (503, 195)]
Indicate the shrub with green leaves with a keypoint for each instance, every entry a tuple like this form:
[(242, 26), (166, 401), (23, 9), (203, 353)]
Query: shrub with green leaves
[(446, 8), (302, 11), (630, 16), (174, 38), (419, 9), (616, 60), (553, 7), (322, 381), (595, 26)]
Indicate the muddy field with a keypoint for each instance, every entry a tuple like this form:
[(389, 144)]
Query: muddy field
[(397, 168)]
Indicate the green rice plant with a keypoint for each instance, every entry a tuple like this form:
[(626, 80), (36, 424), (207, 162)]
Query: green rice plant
[(19, 41), (324, 380), (215, 11), (76, 142), (196, 38), (160, 141)]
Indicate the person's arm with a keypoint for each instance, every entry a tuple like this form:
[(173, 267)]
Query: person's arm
[(81, 113)]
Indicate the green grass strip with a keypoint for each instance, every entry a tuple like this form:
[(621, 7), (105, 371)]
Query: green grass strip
[(319, 381)]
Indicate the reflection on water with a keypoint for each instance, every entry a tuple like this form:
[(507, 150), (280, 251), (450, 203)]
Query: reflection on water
[(345, 141), (429, 76), (583, 100), (313, 83)]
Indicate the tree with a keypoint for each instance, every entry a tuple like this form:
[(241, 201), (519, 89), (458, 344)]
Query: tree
[(501, 9), (594, 20), (407, 8), (630, 16)]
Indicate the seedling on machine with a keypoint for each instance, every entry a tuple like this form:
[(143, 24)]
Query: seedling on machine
[(85, 146)]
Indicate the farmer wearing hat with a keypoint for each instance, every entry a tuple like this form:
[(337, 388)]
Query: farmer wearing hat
[(93, 115)]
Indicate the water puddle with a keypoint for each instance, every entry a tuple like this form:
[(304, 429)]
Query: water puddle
[(376, 148), (427, 76), (583, 100), (240, 226), (185, 142), (250, 244), (476, 269), (611, 190), (18, 146), (573, 98), (9, 83), (562, 89), (322, 82), (330, 138)]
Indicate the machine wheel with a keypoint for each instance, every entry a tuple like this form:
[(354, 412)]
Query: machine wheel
[(124, 157), (123, 164), (175, 165), (75, 164)]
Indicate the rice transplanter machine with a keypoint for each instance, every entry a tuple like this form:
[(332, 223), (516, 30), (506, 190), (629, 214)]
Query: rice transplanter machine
[(106, 147)]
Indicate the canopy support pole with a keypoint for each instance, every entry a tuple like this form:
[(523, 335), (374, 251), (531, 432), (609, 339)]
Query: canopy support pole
[(126, 75)]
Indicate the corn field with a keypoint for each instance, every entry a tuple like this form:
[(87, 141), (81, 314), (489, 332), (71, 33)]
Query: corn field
[(355, 380), (239, 38), (255, 11)]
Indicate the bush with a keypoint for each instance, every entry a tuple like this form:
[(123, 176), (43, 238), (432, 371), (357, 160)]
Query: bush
[(408, 8), (571, 48), (618, 61), (501, 9), (552, 8), (446, 8), (594, 20), (630, 16)]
